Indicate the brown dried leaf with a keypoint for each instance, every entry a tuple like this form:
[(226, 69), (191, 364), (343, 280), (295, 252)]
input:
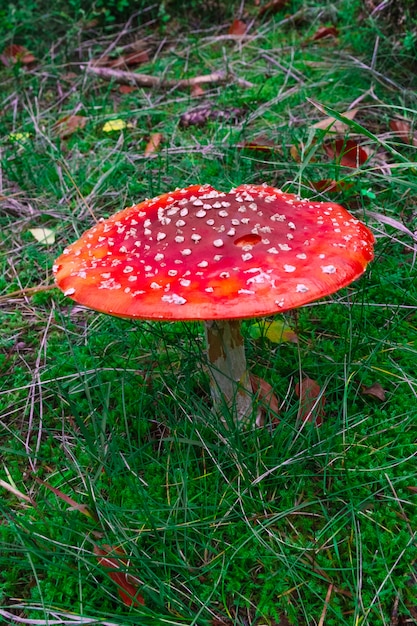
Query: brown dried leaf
[(197, 91), (237, 27), (259, 144), (125, 89), (347, 152), (403, 130), (272, 7), (18, 54), (68, 125), (312, 401), (335, 125), (325, 31), (153, 144), (294, 151), (266, 395), (114, 559), (375, 391)]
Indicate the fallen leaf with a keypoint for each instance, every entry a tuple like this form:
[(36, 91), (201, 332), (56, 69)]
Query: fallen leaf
[(295, 153), (347, 152), (412, 489), (68, 125), (113, 125), (266, 395), (153, 144), (375, 391), (18, 137), (197, 91), (403, 130), (114, 559), (330, 186), (45, 236), (237, 27), (335, 125), (18, 54), (126, 89), (325, 31), (277, 331), (259, 144), (272, 7), (312, 401)]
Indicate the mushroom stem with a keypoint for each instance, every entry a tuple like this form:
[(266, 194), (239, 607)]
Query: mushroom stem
[(229, 378)]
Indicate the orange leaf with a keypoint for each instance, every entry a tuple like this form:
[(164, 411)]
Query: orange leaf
[(325, 31), (237, 27), (114, 559), (69, 124), (312, 401), (348, 152), (403, 130), (153, 144)]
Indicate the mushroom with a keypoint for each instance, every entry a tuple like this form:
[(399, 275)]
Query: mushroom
[(202, 254)]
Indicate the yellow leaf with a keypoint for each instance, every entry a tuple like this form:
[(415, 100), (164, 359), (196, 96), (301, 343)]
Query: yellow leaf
[(21, 137), (43, 235), (277, 331), (112, 125)]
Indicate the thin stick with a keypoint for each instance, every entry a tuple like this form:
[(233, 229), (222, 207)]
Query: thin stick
[(146, 80), (26, 291), (326, 604)]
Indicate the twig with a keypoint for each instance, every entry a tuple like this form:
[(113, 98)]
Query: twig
[(25, 291), (146, 80), (326, 604)]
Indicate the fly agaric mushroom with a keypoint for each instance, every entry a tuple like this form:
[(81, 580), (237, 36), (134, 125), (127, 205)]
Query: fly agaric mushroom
[(202, 254)]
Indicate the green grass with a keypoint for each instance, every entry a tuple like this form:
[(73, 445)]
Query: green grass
[(220, 526)]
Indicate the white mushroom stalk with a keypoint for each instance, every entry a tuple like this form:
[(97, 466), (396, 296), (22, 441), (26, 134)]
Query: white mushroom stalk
[(230, 384), (202, 254)]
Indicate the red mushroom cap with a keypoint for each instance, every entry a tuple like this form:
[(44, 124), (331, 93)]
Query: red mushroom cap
[(201, 254)]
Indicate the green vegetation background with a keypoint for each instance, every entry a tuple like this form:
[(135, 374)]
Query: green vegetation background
[(289, 522)]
